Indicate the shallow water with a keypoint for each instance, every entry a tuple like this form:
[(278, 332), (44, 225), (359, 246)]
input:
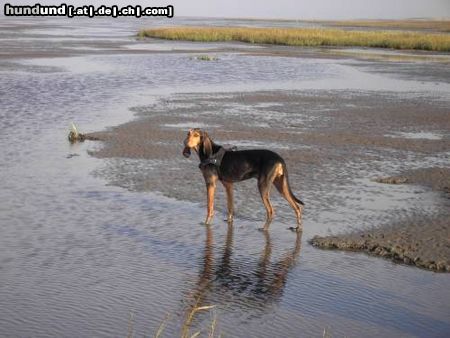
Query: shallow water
[(78, 253), (419, 135)]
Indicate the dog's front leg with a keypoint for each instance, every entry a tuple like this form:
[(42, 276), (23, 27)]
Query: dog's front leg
[(229, 190), (210, 180), (211, 189)]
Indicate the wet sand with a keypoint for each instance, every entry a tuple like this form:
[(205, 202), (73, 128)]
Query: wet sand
[(354, 127)]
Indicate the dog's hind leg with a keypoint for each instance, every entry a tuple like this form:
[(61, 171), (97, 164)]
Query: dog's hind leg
[(282, 185), (264, 189)]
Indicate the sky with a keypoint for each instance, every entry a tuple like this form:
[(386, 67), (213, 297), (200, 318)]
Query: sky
[(287, 9)]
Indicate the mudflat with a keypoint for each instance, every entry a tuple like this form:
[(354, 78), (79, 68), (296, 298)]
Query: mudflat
[(351, 137)]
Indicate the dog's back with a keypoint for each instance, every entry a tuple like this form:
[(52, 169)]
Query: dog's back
[(244, 164)]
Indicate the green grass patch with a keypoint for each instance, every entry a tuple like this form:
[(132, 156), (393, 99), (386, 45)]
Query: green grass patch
[(307, 37)]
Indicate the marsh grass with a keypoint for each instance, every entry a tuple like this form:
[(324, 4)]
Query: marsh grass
[(435, 25), (307, 37)]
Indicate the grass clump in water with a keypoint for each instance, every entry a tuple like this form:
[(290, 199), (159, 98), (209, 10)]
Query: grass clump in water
[(207, 58), (307, 37)]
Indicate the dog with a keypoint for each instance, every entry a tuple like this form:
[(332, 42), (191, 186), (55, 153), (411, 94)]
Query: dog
[(230, 166)]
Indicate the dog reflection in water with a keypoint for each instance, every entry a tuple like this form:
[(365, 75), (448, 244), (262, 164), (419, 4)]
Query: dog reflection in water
[(233, 279)]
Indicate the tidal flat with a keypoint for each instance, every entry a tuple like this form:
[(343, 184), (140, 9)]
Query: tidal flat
[(95, 231)]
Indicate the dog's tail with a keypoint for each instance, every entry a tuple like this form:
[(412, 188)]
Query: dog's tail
[(286, 177)]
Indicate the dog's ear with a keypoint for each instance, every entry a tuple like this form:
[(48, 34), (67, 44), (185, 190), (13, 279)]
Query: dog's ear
[(207, 146)]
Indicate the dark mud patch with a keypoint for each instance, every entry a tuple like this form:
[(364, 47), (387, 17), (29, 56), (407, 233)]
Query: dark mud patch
[(436, 178), (424, 243)]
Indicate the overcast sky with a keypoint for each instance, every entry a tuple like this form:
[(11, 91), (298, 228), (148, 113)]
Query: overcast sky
[(289, 9)]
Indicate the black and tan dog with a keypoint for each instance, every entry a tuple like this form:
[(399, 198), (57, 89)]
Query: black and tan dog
[(227, 166)]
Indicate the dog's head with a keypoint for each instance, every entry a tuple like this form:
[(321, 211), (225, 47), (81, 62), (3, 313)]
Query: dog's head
[(197, 139)]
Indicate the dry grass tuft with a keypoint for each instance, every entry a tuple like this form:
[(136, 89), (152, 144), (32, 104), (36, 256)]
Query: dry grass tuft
[(161, 327), (185, 332)]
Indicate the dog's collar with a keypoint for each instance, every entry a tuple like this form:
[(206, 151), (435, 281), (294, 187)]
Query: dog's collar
[(215, 159)]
